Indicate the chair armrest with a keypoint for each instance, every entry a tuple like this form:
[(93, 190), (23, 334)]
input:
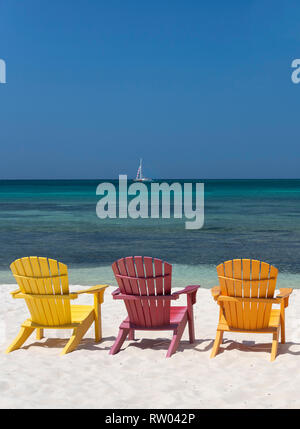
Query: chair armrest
[(145, 297), (14, 293), (117, 294), (189, 290), (45, 296), (93, 289), (216, 292), (284, 294)]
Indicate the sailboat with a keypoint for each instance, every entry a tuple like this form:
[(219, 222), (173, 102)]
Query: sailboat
[(139, 174)]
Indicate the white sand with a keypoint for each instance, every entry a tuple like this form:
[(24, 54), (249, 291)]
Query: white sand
[(140, 376)]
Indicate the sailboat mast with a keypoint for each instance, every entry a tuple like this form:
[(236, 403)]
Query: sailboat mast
[(141, 174)]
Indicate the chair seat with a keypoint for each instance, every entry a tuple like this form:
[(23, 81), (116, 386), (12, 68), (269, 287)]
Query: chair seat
[(80, 312), (177, 314), (274, 323)]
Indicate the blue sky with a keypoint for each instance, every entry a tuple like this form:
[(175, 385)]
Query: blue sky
[(198, 89)]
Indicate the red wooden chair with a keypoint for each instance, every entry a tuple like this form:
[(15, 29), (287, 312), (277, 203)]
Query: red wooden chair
[(145, 287)]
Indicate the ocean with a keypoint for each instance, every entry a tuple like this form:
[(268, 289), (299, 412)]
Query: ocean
[(257, 219)]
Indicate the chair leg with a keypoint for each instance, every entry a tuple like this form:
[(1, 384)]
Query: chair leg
[(131, 335), (176, 338), (274, 345), (98, 331), (39, 333), (119, 341), (282, 333), (77, 335), (191, 320), (191, 330), (24, 333), (98, 324), (218, 341)]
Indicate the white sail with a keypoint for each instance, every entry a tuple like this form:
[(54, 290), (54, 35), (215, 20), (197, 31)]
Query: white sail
[(139, 174)]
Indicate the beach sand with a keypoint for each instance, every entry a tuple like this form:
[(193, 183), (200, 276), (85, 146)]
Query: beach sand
[(140, 376)]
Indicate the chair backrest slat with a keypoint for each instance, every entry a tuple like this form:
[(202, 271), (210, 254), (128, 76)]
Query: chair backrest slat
[(263, 288), (145, 276), (237, 269), (162, 310), (64, 286), (125, 286), (254, 294), (42, 276), (248, 279), (230, 291), (246, 263), (167, 285), (134, 287), (270, 292), (156, 308)]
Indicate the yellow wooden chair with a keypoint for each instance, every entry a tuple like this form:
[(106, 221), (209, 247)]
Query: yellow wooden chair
[(44, 285), (245, 297)]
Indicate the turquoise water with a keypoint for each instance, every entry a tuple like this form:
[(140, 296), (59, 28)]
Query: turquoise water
[(243, 218)]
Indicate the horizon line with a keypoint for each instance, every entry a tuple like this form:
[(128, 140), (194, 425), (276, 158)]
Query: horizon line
[(154, 179)]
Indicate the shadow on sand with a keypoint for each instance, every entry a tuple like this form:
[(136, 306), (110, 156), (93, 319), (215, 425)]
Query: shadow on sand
[(200, 346)]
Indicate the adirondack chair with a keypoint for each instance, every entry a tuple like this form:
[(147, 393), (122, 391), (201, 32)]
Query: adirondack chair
[(245, 297), (145, 288), (43, 283)]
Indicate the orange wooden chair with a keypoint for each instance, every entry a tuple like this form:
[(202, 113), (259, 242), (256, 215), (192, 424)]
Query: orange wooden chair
[(245, 297)]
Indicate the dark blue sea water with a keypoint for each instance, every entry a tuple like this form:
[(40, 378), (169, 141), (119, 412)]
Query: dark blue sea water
[(243, 219)]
